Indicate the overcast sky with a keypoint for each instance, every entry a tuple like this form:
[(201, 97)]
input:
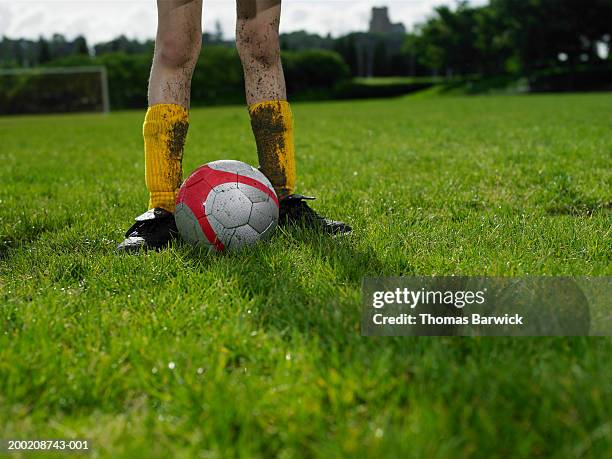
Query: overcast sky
[(101, 20)]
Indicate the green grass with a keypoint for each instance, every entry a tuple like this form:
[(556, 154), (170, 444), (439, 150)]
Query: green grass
[(383, 81), (266, 347)]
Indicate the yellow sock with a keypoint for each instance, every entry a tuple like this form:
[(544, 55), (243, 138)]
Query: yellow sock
[(165, 129), (272, 124)]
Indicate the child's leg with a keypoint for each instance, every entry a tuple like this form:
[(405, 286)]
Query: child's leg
[(177, 47), (258, 45)]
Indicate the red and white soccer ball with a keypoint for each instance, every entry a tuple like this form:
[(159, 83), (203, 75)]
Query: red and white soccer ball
[(226, 205)]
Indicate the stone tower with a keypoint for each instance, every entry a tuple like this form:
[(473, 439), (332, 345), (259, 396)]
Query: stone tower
[(380, 22)]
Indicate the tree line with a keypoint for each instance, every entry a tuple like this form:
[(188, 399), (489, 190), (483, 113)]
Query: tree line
[(504, 36), (552, 44)]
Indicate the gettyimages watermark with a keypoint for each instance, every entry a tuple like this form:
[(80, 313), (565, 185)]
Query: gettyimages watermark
[(487, 306)]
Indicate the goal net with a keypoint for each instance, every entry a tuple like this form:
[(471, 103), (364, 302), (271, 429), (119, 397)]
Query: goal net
[(53, 90)]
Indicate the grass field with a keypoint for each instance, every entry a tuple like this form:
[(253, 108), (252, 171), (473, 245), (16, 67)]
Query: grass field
[(259, 354)]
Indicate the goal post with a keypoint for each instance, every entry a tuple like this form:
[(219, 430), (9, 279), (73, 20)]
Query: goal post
[(54, 90)]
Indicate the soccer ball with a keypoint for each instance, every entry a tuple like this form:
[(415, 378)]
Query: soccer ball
[(226, 205)]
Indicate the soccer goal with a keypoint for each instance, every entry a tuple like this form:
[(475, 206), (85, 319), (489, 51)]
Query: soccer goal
[(54, 90)]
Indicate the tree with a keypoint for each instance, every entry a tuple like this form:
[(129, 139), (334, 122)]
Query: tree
[(302, 40), (80, 46), (542, 30), (347, 48), (218, 36), (44, 54), (448, 41), (19, 54)]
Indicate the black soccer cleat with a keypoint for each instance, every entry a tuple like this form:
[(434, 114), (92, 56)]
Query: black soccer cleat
[(295, 211), (153, 230)]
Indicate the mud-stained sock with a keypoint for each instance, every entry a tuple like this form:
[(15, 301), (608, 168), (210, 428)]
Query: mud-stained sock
[(165, 129), (272, 124)]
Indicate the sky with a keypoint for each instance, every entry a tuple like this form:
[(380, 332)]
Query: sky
[(103, 20)]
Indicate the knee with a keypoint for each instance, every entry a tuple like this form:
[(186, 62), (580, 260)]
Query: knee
[(258, 43), (179, 50)]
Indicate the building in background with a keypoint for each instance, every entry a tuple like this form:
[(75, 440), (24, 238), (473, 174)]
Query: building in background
[(376, 48), (380, 22)]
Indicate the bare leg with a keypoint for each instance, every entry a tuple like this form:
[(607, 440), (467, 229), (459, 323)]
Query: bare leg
[(258, 45), (177, 47)]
